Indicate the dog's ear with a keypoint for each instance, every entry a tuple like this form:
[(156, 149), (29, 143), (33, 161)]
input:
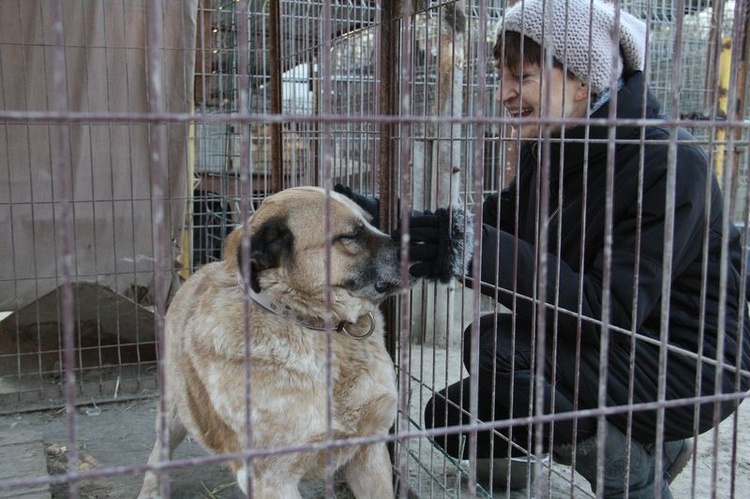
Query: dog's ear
[(270, 243), (232, 249)]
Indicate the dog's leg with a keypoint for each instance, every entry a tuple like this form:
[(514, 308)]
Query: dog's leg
[(265, 488), (176, 433), (369, 473)]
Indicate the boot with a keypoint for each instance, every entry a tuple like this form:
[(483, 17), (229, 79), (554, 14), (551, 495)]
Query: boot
[(516, 472), (640, 481)]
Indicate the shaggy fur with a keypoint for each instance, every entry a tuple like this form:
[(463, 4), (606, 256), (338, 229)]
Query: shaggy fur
[(205, 353)]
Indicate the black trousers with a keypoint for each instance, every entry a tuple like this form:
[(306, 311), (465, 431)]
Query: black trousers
[(507, 382)]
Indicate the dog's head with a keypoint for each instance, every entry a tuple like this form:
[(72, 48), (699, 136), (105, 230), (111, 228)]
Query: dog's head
[(302, 242)]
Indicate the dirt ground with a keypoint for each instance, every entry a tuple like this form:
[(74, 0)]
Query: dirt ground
[(122, 434)]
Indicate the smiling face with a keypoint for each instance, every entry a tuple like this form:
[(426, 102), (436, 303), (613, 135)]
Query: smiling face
[(524, 85), (524, 96)]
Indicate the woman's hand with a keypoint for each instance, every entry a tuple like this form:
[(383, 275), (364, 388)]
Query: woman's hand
[(440, 243)]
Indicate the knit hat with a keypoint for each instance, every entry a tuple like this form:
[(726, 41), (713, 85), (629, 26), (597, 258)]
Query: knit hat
[(580, 34)]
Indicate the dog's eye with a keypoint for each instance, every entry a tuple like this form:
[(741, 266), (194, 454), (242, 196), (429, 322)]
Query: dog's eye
[(353, 237)]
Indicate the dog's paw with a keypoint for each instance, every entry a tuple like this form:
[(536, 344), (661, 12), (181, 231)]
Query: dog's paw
[(150, 488)]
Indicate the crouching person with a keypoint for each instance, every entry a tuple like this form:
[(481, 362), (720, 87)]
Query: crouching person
[(578, 159), (556, 113)]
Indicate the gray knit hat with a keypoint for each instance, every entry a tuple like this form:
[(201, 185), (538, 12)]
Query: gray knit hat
[(575, 26)]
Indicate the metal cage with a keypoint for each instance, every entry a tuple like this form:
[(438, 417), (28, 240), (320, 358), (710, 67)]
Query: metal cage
[(135, 135)]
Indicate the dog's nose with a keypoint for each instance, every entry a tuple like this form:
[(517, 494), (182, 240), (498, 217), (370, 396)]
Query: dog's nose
[(381, 287)]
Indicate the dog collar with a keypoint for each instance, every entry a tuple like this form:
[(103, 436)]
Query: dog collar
[(286, 312)]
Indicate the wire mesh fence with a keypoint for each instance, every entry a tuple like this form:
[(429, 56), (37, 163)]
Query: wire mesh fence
[(135, 136)]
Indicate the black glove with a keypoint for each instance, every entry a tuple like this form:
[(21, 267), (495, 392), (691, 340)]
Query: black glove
[(370, 205), (440, 243)]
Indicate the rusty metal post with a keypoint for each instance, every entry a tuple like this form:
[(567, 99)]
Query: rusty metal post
[(387, 74), (277, 150)]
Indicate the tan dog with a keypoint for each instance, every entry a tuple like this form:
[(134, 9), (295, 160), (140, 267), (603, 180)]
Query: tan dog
[(205, 353)]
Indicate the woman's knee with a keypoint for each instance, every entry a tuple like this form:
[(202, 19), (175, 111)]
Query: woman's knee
[(502, 348), (431, 411), (444, 410), (466, 343)]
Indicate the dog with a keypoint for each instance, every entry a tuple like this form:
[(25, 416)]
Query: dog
[(297, 274)]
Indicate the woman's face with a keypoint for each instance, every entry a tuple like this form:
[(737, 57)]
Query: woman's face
[(523, 96)]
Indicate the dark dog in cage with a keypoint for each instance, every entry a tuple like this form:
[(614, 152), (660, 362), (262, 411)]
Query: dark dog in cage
[(212, 221), (295, 359)]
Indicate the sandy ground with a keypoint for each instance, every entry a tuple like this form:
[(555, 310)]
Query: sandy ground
[(121, 434)]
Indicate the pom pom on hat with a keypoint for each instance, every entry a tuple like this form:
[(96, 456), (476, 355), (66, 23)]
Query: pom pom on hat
[(576, 25)]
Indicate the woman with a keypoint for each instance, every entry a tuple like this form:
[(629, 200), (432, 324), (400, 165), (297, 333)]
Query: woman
[(572, 158), (604, 254)]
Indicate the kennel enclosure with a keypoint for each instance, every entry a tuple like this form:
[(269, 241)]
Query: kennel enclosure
[(135, 134)]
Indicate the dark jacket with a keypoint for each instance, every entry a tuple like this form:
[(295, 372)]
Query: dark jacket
[(576, 266)]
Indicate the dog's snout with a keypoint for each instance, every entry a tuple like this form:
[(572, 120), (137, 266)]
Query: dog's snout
[(387, 260)]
